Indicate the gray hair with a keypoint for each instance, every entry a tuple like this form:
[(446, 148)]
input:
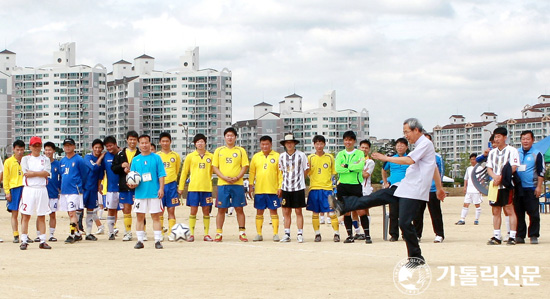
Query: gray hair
[(413, 123)]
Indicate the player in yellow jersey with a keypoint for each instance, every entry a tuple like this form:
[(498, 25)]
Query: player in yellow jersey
[(265, 182), (198, 168), (13, 185), (230, 163), (172, 164), (320, 187)]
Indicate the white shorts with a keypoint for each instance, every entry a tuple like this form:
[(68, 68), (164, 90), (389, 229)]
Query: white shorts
[(148, 205), (474, 198), (70, 202), (34, 200), (54, 204), (111, 200)]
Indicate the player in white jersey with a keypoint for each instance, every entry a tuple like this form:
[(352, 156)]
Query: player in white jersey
[(472, 195), (36, 170)]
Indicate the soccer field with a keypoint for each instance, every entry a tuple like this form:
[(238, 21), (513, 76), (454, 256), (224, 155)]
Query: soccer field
[(267, 269)]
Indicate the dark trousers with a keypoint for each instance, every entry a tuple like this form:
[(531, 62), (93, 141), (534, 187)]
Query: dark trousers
[(394, 216), (408, 208), (434, 206), (528, 203)]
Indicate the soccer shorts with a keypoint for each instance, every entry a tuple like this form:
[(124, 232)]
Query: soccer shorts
[(195, 199), (317, 201), (294, 199), (90, 199), (504, 198), (266, 201), (111, 201), (35, 201), (53, 204), (70, 202), (474, 198), (171, 197), (126, 197), (231, 196), (148, 205), (13, 205)]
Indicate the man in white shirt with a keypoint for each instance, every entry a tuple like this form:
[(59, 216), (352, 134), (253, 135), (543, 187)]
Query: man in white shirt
[(472, 195), (413, 189)]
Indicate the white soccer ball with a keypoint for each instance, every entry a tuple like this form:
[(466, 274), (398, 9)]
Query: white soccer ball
[(180, 232), (133, 178)]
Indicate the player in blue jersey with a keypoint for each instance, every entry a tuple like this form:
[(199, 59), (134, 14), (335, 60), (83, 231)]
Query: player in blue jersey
[(96, 170), (111, 198), (149, 192), (54, 184), (74, 173)]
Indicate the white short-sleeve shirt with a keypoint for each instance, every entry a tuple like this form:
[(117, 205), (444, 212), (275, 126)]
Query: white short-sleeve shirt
[(369, 167), (419, 176), (32, 163), (293, 168), (468, 177)]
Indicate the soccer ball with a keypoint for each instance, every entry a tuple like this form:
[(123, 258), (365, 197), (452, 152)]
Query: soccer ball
[(180, 232), (133, 178)]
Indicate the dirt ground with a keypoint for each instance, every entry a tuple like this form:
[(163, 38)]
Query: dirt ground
[(265, 269)]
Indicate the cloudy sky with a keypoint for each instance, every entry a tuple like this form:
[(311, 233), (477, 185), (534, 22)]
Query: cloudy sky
[(409, 58)]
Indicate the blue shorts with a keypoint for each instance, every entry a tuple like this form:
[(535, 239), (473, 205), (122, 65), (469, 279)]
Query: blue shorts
[(317, 201), (195, 199), (126, 197), (231, 196), (171, 197), (90, 199), (266, 201), (16, 193)]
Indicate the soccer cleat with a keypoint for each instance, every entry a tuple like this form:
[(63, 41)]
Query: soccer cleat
[(158, 245), (511, 241), (336, 238), (359, 237), (52, 239), (70, 240), (16, 239), (276, 238), (476, 222), (207, 238), (30, 241), (23, 246), (171, 238), (111, 237), (438, 239), (37, 239), (139, 245), (534, 240), (127, 237), (520, 240), (258, 238), (349, 239), (116, 232), (191, 239), (44, 246), (336, 205), (368, 240), (322, 221), (393, 239), (218, 238), (91, 237), (285, 239), (145, 236), (317, 238), (460, 222), (494, 241), (100, 231), (243, 237), (1, 241), (414, 262), (78, 238), (300, 238)]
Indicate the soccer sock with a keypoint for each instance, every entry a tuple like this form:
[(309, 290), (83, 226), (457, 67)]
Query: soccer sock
[(161, 218), (89, 221), (128, 222), (365, 223), (42, 238), (73, 228), (100, 213), (37, 233), (79, 217), (348, 224), (219, 231), (478, 213), (316, 223), (140, 235), (259, 224), (52, 231), (464, 213), (24, 238), (172, 222), (15, 233), (206, 222), (275, 224), (355, 223), (158, 235), (322, 219), (111, 224), (241, 230), (513, 234), (192, 223), (287, 231), (94, 215), (496, 234), (300, 231), (334, 222)]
